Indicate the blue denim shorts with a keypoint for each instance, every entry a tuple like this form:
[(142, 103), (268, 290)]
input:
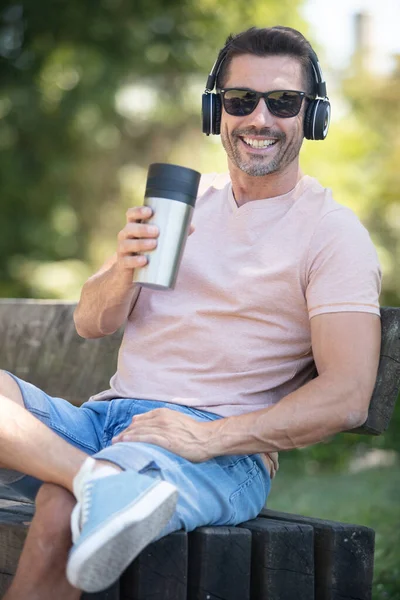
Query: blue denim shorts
[(225, 490)]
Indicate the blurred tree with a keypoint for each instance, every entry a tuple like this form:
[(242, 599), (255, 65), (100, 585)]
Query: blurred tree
[(91, 93)]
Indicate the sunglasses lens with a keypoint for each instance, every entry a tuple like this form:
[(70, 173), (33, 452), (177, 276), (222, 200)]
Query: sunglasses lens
[(284, 104), (239, 103)]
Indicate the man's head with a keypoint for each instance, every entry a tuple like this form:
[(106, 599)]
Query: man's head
[(271, 41), (264, 134)]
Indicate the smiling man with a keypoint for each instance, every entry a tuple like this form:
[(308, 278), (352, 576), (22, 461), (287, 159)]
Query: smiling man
[(217, 376)]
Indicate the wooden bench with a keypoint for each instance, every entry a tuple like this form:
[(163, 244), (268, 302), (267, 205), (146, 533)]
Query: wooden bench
[(277, 556)]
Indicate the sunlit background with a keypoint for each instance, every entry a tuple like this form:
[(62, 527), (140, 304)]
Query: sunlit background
[(93, 91)]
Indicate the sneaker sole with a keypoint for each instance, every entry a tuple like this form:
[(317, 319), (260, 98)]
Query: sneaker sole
[(98, 561)]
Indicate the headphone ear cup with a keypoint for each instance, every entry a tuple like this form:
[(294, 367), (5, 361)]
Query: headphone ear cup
[(217, 114), (308, 120), (211, 113), (317, 119), (322, 119), (206, 106)]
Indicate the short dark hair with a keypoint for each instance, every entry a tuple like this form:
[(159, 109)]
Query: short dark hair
[(269, 41)]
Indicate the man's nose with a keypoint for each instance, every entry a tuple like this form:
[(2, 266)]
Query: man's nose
[(261, 117)]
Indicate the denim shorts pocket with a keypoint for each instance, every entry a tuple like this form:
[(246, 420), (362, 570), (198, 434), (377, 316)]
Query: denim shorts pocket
[(249, 498)]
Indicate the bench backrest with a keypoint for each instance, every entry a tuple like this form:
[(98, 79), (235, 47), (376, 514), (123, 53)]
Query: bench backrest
[(39, 343)]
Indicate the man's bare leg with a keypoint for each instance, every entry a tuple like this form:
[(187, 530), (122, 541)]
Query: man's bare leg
[(29, 446), (41, 570), (9, 388)]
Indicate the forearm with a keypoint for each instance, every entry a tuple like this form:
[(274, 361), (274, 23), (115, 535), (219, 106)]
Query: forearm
[(105, 303), (319, 409)]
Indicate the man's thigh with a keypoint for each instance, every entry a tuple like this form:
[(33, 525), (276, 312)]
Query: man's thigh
[(79, 426), (225, 490)]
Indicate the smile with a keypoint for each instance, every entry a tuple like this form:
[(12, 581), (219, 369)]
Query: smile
[(258, 143)]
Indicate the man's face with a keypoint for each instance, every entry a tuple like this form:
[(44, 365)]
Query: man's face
[(240, 134)]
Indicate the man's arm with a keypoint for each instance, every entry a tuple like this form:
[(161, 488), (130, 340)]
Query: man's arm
[(346, 350), (107, 297)]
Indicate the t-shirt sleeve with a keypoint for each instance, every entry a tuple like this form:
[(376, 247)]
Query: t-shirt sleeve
[(343, 271)]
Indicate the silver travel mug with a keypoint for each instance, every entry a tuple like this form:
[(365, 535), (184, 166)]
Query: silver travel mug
[(171, 193)]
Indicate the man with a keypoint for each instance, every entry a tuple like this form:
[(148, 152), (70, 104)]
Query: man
[(216, 376)]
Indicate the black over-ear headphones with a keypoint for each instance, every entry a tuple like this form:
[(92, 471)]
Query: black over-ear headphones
[(316, 119)]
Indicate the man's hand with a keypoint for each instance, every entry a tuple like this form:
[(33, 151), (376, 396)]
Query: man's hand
[(171, 430), (137, 236)]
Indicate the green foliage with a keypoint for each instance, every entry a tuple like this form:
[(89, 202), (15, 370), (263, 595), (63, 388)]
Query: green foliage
[(369, 497), (91, 93)]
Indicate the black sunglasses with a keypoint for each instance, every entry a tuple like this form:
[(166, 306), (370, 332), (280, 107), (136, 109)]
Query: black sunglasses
[(284, 104)]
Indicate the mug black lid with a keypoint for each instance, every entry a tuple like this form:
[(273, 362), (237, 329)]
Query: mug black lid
[(172, 181)]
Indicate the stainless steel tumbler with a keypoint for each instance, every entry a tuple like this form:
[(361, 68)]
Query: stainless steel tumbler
[(171, 193)]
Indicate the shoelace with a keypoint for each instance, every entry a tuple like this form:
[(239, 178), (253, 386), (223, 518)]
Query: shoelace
[(82, 491), (80, 512)]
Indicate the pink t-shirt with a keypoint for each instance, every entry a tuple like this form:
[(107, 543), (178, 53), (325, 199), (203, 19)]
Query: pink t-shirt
[(234, 334)]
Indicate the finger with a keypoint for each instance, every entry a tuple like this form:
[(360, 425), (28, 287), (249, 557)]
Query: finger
[(191, 229), (132, 261), (127, 247), (137, 213), (138, 231)]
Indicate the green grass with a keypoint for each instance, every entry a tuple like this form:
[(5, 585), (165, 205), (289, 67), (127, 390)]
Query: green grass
[(370, 498)]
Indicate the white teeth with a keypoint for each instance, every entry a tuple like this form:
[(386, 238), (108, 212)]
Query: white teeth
[(258, 143)]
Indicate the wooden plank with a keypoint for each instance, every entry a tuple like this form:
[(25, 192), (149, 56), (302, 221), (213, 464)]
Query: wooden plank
[(219, 564), (15, 518), (111, 593), (5, 582), (282, 560), (40, 344), (387, 386), (7, 493), (159, 572), (12, 539), (343, 556)]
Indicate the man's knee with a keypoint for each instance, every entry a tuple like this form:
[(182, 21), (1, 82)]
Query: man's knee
[(10, 389), (54, 505)]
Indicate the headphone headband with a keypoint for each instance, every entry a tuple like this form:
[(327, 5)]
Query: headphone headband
[(316, 67), (212, 78)]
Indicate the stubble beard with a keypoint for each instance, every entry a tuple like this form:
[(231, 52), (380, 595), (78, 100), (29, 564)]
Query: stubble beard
[(258, 165)]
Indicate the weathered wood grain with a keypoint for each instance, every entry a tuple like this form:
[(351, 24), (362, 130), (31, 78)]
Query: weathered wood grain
[(387, 385), (15, 518), (282, 560), (343, 556), (39, 344), (159, 572), (219, 564), (111, 593), (14, 523)]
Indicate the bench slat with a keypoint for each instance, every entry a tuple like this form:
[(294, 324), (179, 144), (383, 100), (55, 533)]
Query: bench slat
[(282, 560), (343, 556), (159, 572), (111, 593), (219, 564), (387, 384)]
